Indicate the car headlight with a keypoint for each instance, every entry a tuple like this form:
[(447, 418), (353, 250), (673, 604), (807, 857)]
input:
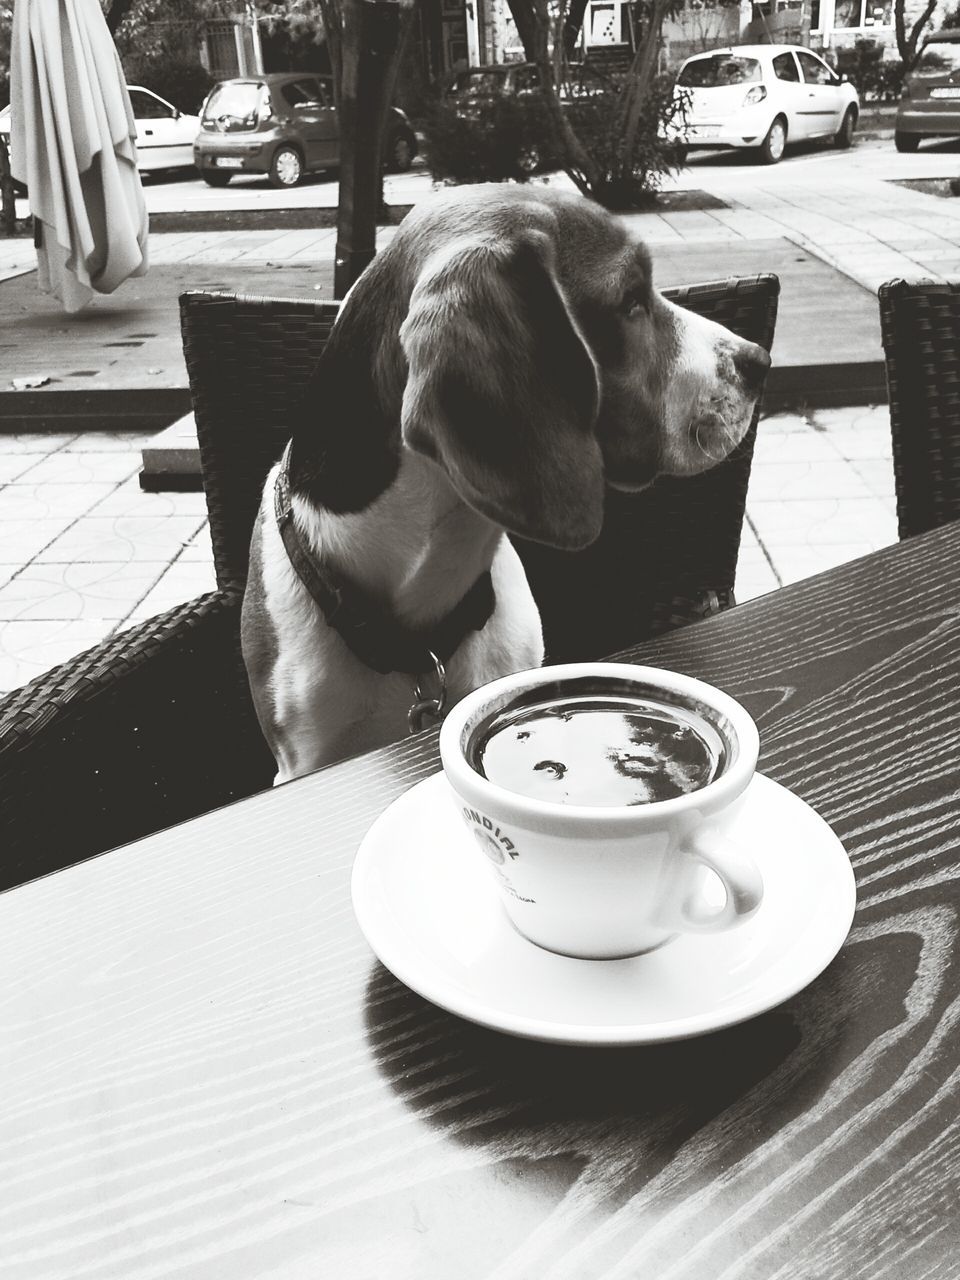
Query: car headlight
[(755, 94)]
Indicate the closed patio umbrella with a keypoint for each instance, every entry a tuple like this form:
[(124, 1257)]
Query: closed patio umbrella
[(72, 143)]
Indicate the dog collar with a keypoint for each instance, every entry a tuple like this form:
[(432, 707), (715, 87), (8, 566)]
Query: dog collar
[(372, 633)]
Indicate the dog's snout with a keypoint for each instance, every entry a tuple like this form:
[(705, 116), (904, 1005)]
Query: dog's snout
[(751, 363)]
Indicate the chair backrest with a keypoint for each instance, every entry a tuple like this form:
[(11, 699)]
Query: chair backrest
[(248, 360), (920, 330), (665, 555)]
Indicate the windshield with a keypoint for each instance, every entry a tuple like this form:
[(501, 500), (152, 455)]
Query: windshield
[(236, 100), (938, 59), (721, 69), (481, 82)]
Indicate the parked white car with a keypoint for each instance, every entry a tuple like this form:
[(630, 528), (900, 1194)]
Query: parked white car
[(164, 134), (763, 97)]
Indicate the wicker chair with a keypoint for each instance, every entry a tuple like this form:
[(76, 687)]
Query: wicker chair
[(156, 725), (150, 728), (920, 328), (652, 567)]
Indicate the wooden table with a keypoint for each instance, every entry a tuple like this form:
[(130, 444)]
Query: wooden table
[(205, 1073)]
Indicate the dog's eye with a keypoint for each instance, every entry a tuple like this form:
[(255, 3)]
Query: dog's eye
[(633, 303)]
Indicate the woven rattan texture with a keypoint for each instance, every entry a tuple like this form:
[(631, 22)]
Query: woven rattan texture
[(668, 555), (920, 328), (247, 359), (147, 729), (665, 557)]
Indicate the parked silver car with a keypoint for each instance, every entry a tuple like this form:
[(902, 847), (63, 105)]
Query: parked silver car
[(929, 104), (283, 125)]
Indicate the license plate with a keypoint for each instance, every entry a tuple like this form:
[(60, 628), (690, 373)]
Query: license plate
[(705, 130), (945, 93), (229, 162)]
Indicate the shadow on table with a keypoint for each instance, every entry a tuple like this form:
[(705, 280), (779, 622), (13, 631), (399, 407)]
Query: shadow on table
[(630, 1109)]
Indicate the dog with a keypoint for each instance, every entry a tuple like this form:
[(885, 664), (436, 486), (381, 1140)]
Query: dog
[(498, 365)]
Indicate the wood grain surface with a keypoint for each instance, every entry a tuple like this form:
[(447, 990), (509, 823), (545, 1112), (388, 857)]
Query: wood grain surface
[(205, 1073)]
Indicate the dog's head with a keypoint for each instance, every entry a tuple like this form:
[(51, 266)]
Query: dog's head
[(514, 336)]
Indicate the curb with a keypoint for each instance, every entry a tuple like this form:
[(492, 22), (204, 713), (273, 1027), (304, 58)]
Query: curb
[(117, 409)]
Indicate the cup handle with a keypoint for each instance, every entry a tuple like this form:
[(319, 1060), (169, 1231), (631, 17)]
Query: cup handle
[(736, 871)]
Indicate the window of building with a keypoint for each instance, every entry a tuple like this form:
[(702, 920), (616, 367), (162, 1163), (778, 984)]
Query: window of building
[(862, 13)]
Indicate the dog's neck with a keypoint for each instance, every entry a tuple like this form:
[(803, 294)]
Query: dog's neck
[(416, 549)]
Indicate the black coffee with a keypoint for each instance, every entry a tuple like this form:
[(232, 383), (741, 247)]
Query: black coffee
[(596, 750)]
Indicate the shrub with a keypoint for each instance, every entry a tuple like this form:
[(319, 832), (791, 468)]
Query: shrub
[(498, 138), (185, 84), (629, 181), (876, 78), (488, 138)]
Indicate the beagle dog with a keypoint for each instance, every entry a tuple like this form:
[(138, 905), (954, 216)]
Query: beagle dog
[(495, 368)]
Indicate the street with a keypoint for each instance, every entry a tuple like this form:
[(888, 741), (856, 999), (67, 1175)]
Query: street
[(872, 157), (722, 173)]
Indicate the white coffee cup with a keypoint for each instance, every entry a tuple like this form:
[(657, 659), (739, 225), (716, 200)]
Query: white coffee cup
[(605, 881)]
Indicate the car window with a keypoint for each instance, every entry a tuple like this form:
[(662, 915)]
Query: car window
[(237, 100), (785, 67), (147, 107), (526, 80), (938, 59), (300, 93), (718, 69), (324, 93), (815, 71), (481, 82)]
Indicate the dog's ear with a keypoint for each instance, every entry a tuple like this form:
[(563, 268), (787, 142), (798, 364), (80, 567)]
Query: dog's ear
[(502, 391)]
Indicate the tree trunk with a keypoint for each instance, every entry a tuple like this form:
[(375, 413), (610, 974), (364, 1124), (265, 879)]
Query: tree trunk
[(525, 20), (330, 12), (907, 44), (580, 165), (371, 41), (572, 26), (642, 74)]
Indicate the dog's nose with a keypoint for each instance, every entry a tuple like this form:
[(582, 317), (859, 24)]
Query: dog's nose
[(751, 363)]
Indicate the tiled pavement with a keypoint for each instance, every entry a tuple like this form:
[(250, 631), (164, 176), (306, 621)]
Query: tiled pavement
[(84, 552)]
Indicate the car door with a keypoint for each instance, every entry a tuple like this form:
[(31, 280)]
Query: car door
[(160, 135), (824, 99), (310, 115), (788, 94)]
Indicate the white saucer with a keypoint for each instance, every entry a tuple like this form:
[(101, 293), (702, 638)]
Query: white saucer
[(431, 911)]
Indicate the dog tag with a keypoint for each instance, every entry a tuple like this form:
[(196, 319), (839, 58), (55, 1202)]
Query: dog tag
[(422, 713), (426, 709)]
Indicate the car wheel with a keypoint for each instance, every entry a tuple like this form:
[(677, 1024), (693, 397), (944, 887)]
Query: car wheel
[(906, 141), (286, 167), (772, 147), (214, 178), (400, 152), (843, 138)]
